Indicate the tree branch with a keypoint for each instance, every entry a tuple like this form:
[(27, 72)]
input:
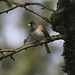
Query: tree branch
[(43, 17), (26, 6), (25, 40), (6, 11), (24, 47), (44, 7)]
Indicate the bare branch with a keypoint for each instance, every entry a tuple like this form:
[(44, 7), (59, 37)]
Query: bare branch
[(25, 40), (30, 3), (6, 50), (24, 47), (29, 9), (12, 57), (33, 11), (59, 11), (43, 17), (6, 11)]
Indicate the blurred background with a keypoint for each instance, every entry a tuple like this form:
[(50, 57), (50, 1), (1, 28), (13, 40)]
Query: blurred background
[(13, 31)]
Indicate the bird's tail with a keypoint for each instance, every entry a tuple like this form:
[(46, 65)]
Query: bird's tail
[(47, 48)]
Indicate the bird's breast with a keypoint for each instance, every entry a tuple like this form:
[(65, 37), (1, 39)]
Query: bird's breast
[(38, 35)]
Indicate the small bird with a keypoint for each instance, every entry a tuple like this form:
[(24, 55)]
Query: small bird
[(39, 33)]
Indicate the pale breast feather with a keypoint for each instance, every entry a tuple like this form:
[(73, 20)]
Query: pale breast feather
[(38, 35)]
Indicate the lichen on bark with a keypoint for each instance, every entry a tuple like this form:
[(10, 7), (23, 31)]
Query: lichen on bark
[(64, 23)]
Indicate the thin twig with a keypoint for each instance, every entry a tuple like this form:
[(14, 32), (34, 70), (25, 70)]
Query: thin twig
[(24, 47), (22, 5), (34, 3), (59, 11), (29, 9), (43, 17), (6, 11), (12, 57), (33, 11), (25, 40), (6, 50), (30, 3)]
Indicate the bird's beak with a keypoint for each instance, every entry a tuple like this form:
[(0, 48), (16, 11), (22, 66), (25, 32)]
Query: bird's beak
[(29, 25)]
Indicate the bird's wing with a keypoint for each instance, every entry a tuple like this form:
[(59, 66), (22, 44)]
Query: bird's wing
[(44, 30)]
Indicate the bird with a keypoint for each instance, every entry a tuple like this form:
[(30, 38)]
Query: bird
[(39, 32)]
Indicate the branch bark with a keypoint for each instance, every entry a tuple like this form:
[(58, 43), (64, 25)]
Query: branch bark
[(6, 11), (25, 47), (44, 7), (26, 6)]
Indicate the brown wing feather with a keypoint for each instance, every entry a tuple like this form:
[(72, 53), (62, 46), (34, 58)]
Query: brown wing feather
[(44, 30)]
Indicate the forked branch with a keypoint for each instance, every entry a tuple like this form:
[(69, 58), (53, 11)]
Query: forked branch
[(25, 47)]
